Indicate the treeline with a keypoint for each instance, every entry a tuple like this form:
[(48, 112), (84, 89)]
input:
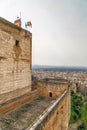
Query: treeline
[(78, 108)]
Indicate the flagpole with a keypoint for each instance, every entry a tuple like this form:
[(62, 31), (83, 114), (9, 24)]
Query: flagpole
[(20, 18)]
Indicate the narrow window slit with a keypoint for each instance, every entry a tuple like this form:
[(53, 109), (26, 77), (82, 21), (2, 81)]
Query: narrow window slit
[(17, 43)]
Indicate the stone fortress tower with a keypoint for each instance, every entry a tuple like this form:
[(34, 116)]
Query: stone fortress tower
[(43, 106), (15, 61)]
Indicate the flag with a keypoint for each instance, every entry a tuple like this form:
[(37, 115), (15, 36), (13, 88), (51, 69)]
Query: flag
[(28, 24)]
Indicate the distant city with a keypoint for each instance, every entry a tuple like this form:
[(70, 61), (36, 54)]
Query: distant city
[(76, 75), (59, 68)]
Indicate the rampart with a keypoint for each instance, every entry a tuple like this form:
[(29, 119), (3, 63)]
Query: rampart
[(18, 98), (55, 117), (17, 102)]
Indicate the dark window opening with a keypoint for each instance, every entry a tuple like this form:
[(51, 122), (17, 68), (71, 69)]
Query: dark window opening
[(57, 113), (62, 107), (17, 43), (50, 94)]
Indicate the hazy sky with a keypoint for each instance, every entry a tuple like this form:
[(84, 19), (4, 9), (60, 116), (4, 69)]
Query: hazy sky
[(59, 29)]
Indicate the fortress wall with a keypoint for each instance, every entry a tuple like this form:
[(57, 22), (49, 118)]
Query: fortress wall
[(15, 79), (15, 61), (55, 89), (56, 117), (17, 102)]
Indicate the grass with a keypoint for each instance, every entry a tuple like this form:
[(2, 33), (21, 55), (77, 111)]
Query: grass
[(84, 113)]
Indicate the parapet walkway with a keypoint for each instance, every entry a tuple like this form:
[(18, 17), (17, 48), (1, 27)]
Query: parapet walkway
[(28, 116), (24, 116)]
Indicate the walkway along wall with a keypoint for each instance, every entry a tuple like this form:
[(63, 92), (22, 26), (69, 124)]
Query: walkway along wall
[(17, 102), (55, 117)]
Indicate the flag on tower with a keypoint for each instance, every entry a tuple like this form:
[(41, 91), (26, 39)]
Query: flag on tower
[(28, 24)]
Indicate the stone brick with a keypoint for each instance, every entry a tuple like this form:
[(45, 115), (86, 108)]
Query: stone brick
[(15, 60)]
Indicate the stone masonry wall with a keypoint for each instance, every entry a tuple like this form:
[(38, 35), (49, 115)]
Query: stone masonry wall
[(55, 89), (17, 102), (15, 61), (56, 117)]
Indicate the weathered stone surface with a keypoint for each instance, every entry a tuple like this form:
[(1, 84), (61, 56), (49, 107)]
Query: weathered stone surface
[(17, 102), (24, 116), (15, 60), (55, 89), (55, 118)]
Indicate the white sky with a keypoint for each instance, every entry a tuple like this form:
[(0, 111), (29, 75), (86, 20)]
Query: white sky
[(59, 29)]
